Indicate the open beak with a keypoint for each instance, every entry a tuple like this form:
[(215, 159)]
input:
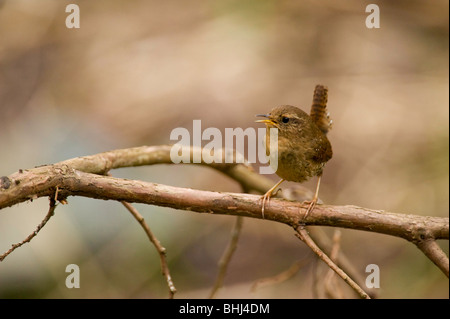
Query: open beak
[(266, 121)]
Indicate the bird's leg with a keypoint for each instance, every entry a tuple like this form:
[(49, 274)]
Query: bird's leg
[(268, 194), (313, 202)]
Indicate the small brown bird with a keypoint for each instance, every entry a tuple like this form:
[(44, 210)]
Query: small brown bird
[(303, 147)]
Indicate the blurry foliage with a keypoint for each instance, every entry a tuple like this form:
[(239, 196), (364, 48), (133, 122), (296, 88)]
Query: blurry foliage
[(137, 69)]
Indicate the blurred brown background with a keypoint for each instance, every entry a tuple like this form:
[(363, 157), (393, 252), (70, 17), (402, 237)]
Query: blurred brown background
[(137, 69)]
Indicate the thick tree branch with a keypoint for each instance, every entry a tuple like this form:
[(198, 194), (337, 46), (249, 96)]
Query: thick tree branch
[(12, 193), (78, 177), (43, 181)]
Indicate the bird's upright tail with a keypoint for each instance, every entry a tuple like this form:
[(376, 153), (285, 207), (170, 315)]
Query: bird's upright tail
[(319, 112)]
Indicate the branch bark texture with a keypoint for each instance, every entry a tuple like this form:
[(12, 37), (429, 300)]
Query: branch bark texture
[(84, 176)]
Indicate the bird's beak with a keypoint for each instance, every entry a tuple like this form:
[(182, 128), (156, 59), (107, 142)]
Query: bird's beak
[(266, 121)]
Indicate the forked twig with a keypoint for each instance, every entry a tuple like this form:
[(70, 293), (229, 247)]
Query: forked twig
[(303, 235), (50, 213), (322, 240)]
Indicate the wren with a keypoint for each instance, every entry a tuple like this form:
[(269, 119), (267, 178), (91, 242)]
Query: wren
[(303, 146)]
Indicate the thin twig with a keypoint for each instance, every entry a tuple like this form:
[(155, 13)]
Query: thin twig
[(315, 278), (322, 240), (161, 250), (283, 276), (50, 213), (227, 254), (303, 235), (432, 250), (229, 251), (329, 281)]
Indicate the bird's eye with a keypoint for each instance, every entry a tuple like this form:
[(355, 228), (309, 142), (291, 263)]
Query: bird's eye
[(285, 119)]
